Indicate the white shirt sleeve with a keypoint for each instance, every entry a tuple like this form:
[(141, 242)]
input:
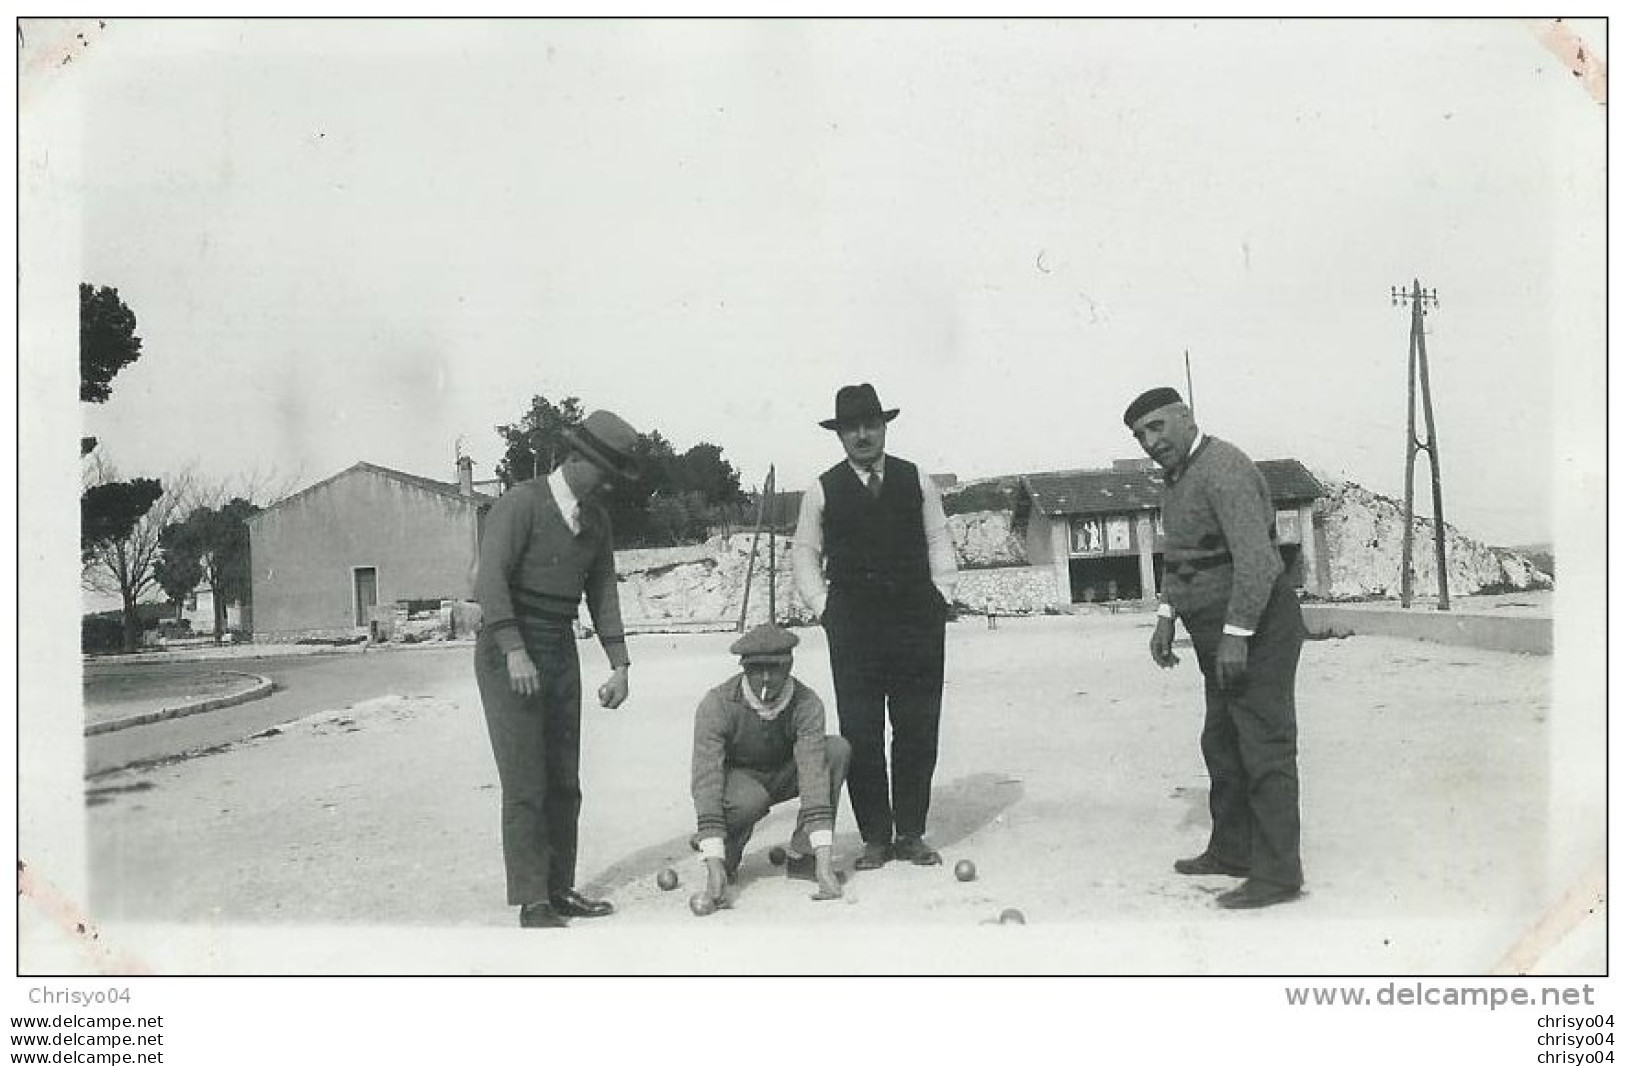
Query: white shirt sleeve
[(939, 546), (807, 554)]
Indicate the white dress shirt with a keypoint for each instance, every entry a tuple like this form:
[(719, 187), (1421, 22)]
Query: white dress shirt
[(569, 506), (807, 554)]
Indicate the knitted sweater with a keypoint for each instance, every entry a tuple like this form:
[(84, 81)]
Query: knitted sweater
[(532, 567), (1219, 502), (729, 734)]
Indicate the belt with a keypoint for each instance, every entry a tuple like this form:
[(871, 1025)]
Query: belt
[(1185, 568)]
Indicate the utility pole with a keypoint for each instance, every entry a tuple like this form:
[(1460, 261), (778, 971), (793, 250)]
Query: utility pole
[(1190, 390), (1419, 300)]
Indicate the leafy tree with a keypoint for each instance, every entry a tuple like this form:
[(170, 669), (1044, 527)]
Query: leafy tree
[(179, 569), (676, 500), (107, 341), (209, 547), (702, 469), (114, 547), (109, 511), (535, 444)]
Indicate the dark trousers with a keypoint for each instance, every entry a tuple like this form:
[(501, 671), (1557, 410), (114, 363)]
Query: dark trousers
[(747, 796), (537, 743), (1250, 742), (886, 656)]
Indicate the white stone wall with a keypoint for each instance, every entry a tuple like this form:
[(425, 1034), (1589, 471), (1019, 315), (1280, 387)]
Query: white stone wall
[(1008, 590)]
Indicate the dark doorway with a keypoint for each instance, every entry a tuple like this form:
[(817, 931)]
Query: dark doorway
[(366, 593), (1103, 580)]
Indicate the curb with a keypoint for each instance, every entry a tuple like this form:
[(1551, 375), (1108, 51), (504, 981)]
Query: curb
[(1523, 635), (258, 690)]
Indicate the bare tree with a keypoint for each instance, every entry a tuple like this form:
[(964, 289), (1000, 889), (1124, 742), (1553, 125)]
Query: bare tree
[(124, 566)]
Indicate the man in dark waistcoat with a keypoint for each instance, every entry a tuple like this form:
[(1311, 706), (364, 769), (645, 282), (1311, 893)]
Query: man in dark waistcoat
[(874, 562), (1223, 577), (547, 543)]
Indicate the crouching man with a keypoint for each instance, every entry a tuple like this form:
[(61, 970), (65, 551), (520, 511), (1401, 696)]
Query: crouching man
[(759, 740)]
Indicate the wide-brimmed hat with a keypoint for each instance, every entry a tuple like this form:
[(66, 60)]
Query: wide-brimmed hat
[(854, 403), (608, 441)]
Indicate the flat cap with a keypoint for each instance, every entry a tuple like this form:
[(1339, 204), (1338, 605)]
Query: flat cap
[(766, 641), (1149, 401)]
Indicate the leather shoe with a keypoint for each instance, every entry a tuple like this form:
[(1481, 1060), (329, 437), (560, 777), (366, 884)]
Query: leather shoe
[(1205, 864), (573, 904), (541, 916), (1254, 893), (916, 851), (874, 857)]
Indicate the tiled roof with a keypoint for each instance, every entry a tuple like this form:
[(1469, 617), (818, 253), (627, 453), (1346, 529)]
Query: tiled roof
[(1128, 489)]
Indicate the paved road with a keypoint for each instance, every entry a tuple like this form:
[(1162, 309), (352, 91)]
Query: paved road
[(305, 684)]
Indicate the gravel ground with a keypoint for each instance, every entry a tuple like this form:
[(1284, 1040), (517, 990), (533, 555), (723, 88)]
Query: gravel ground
[(1447, 809)]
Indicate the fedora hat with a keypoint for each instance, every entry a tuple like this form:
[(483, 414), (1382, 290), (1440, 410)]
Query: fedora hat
[(854, 403), (608, 441)]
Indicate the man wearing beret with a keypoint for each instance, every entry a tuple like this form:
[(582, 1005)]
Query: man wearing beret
[(873, 560), (547, 544), (759, 740), (1223, 577)]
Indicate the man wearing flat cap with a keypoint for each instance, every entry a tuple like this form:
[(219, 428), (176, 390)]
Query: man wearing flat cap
[(873, 560), (1223, 577), (759, 740), (547, 545)]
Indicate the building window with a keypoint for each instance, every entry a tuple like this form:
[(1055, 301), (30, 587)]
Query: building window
[(1286, 527), (1088, 536)]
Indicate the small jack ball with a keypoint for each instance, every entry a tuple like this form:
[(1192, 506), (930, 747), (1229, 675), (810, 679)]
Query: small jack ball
[(965, 870), (1011, 916), (701, 904), (667, 880), (777, 855)]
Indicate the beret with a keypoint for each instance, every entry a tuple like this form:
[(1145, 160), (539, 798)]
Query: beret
[(1149, 401), (766, 641)]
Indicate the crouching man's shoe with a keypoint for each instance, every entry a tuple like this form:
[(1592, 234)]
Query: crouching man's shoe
[(1207, 863), (541, 916), (573, 904), (1253, 894)]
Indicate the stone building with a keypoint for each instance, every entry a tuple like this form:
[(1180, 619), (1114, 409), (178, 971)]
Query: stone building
[(355, 553), (1100, 531)]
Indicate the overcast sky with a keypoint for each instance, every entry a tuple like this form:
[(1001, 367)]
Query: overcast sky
[(365, 241)]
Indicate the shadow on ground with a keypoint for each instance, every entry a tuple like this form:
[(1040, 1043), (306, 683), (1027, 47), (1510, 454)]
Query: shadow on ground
[(959, 809)]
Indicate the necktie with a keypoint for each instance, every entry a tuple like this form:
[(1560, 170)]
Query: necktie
[(873, 484)]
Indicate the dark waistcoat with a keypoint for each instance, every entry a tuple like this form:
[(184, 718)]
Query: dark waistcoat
[(875, 544)]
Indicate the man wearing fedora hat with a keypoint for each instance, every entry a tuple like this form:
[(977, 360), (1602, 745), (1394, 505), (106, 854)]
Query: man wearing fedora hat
[(547, 544), (1223, 577), (874, 562), (759, 740)]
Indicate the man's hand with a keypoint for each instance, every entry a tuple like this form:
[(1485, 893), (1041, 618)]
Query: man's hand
[(522, 675), (716, 882), (1162, 643), (829, 886), (613, 693), (1232, 661)]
